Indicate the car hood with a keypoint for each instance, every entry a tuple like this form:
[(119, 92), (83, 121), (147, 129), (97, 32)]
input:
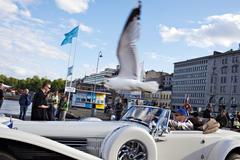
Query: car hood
[(73, 129), (35, 140)]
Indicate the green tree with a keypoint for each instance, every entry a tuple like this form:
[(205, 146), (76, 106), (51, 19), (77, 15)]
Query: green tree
[(58, 85), (33, 84)]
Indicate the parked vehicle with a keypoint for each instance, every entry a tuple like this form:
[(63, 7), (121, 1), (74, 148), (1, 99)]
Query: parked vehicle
[(19, 145), (142, 134)]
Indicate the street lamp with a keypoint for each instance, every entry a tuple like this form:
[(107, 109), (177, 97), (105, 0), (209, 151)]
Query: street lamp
[(94, 90)]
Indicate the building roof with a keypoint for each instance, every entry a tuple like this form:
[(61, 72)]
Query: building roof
[(214, 55)]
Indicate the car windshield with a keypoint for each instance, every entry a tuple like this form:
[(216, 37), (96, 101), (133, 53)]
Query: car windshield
[(143, 114)]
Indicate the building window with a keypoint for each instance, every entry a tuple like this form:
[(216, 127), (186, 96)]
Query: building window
[(222, 89), (223, 79), (212, 79), (234, 79), (224, 70), (234, 89), (224, 61), (214, 70), (234, 59), (235, 69)]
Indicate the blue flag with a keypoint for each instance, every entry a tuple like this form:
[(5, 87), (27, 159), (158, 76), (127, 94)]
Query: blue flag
[(70, 35), (70, 71)]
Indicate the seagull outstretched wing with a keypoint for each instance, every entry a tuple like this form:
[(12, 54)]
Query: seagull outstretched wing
[(126, 51)]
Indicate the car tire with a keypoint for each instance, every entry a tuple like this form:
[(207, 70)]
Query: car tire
[(233, 156), (130, 142), (6, 156)]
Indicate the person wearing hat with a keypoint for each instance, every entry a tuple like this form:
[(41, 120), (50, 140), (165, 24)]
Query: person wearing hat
[(181, 121)]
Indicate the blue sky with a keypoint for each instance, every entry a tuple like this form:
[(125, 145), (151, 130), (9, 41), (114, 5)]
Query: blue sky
[(31, 32)]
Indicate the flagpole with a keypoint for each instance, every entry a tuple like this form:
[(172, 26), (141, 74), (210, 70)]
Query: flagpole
[(73, 62), (70, 53), (68, 39)]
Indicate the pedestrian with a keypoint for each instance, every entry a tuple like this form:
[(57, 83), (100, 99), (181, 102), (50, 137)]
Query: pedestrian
[(108, 111), (208, 111), (61, 100), (55, 103), (187, 106), (50, 107), (63, 109), (118, 109), (24, 102), (1, 94), (39, 104), (222, 119), (238, 115)]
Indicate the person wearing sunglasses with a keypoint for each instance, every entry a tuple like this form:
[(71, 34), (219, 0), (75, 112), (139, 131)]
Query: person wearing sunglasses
[(39, 103)]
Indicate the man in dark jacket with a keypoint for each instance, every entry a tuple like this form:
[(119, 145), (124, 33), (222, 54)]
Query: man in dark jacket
[(24, 102), (1, 95), (39, 104), (207, 112), (222, 119), (118, 110)]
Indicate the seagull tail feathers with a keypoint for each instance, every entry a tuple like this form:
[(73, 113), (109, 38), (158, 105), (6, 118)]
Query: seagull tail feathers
[(150, 86)]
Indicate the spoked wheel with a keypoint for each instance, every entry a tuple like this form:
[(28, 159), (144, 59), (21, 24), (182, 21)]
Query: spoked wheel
[(234, 156), (132, 150)]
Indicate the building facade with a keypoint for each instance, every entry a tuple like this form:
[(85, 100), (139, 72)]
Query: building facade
[(211, 79), (161, 98), (164, 79), (167, 81), (101, 77)]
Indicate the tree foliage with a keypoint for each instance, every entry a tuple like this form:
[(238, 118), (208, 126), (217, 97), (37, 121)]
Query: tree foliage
[(33, 84)]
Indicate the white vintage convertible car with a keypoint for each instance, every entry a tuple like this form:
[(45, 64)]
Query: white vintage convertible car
[(142, 134), (19, 145)]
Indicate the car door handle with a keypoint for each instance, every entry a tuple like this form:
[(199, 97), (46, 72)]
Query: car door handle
[(158, 139)]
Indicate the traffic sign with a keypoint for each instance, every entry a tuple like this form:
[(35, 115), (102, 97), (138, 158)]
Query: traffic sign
[(70, 89)]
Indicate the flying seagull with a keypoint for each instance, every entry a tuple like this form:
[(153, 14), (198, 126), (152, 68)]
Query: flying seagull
[(129, 77)]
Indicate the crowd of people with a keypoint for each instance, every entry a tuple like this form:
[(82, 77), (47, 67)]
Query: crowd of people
[(46, 105), (184, 118)]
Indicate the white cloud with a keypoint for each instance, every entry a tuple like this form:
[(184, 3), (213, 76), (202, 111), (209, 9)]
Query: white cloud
[(28, 1), (217, 30), (7, 6), (73, 22), (11, 8), (73, 6), (87, 69), (15, 66), (88, 45), (25, 43), (169, 34), (31, 43), (25, 13), (85, 28), (156, 56)]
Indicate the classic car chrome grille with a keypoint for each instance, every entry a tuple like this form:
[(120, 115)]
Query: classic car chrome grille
[(94, 145), (88, 145), (77, 143)]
